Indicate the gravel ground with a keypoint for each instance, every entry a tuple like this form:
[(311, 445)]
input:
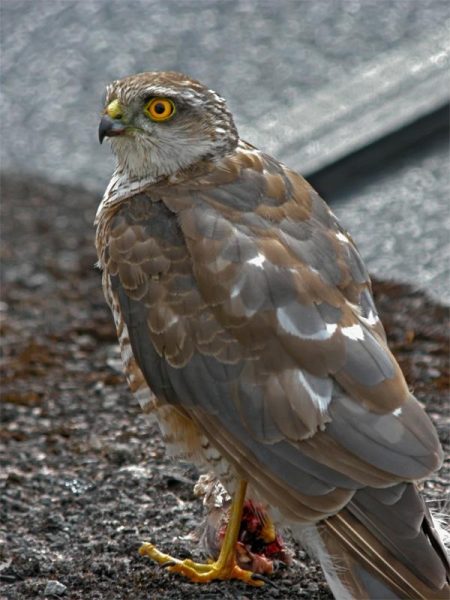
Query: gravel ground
[(83, 476)]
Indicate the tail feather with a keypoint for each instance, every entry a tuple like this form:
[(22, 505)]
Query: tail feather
[(377, 549)]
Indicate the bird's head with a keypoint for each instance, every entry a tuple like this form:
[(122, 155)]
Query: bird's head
[(162, 123)]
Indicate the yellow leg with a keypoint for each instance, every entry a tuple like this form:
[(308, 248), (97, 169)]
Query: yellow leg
[(225, 566)]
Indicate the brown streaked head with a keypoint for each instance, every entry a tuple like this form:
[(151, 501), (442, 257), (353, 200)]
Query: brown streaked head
[(163, 122)]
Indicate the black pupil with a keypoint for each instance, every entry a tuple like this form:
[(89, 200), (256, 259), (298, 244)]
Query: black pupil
[(160, 108)]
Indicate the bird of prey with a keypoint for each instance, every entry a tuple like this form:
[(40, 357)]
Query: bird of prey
[(247, 327)]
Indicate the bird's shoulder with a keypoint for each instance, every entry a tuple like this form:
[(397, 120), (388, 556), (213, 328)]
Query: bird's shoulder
[(252, 193)]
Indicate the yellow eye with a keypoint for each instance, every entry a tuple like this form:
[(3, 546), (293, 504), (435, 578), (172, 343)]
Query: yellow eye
[(160, 109)]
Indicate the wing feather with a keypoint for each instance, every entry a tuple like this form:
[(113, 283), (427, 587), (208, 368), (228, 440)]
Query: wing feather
[(228, 319)]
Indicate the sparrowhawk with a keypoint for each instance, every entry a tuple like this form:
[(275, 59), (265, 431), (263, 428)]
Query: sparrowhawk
[(247, 326)]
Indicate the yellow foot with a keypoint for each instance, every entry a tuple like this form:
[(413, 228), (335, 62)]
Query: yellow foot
[(199, 572)]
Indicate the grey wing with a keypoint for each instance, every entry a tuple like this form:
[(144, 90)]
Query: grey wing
[(210, 331)]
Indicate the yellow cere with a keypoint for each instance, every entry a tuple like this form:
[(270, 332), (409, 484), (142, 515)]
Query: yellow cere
[(114, 109), (160, 109)]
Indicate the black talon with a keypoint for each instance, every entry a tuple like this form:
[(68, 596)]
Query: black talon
[(258, 577), (168, 563)]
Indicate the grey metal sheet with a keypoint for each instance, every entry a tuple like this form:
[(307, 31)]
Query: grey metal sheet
[(400, 219), (383, 95)]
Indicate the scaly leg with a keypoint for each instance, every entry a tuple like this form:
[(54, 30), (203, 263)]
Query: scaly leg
[(225, 567)]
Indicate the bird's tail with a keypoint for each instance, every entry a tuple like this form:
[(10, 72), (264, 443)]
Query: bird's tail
[(382, 546)]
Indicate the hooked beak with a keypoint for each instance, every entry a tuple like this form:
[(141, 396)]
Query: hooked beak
[(110, 127)]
